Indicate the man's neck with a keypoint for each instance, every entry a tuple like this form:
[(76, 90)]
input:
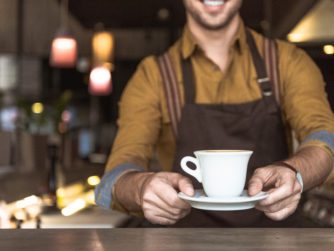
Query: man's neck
[(216, 44)]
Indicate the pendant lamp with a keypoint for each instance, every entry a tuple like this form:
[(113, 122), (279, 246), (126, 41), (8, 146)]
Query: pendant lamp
[(64, 46), (100, 82), (103, 47)]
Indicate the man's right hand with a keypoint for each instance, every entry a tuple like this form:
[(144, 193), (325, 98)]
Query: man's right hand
[(156, 194)]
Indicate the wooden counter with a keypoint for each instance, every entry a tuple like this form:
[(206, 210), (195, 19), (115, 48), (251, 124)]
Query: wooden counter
[(168, 239)]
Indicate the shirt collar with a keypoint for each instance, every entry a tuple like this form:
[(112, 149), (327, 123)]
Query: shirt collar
[(189, 44)]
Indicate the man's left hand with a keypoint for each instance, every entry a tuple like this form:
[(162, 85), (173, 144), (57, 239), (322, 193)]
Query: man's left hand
[(283, 188)]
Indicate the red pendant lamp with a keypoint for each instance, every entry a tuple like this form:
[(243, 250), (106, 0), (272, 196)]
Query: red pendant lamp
[(64, 46)]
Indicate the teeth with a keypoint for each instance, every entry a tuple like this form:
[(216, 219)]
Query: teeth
[(214, 2)]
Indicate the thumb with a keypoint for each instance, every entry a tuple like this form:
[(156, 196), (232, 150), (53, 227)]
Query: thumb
[(256, 183), (185, 186), (181, 183)]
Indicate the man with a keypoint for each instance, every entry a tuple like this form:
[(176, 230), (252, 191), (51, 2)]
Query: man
[(226, 104)]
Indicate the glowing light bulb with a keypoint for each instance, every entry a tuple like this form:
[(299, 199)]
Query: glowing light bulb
[(329, 49), (37, 108), (93, 180), (100, 81)]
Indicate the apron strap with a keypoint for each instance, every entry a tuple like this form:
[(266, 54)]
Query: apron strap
[(171, 90), (271, 57), (262, 76), (270, 52), (189, 81)]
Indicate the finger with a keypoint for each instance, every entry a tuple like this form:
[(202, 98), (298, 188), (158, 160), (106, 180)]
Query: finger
[(276, 207), (255, 186), (170, 197), (162, 221), (157, 216), (164, 214), (153, 200), (284, 213), (284, 190), (162, 186), (297, 188), (261, 178), (183, 184)]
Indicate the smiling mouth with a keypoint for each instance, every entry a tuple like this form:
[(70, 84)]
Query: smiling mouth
[(213, 3)]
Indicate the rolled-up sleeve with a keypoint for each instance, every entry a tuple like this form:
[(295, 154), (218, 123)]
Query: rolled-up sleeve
[(320, 138), (305, 102), (139, 125), (104, 191)]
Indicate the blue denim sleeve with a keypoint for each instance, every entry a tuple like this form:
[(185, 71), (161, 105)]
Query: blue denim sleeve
[(103, 192), (324, 136)]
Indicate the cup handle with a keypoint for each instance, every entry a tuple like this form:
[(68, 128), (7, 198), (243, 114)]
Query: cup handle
[(195, 173)]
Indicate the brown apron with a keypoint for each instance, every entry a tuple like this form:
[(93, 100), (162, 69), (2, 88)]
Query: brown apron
[(255, 126)]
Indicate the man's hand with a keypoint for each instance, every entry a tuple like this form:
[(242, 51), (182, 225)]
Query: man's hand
[(159, 200), (283, 188), (155, 194)]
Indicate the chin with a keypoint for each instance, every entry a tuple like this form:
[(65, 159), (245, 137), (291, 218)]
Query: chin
[(213, 14)]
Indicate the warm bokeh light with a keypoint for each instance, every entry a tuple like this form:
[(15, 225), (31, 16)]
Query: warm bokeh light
[(100, 81), (37, 108), (295, 37), (71, 190), (65, 195), (74, 207), (329, 49), (20, 215), (4, 216), (90, 197), (316, 25), (103, 46), (28, 201), (63, 52), (93, 180)]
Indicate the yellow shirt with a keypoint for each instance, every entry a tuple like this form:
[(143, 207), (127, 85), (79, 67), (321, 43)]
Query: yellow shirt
[(144, 124)]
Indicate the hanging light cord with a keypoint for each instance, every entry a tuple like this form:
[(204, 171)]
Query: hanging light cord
[(64, 13)]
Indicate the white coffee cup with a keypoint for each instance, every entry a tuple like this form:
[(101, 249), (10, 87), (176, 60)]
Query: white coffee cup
[(222, 172)]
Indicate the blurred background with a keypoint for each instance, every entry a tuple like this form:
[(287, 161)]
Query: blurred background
[(63, 67)]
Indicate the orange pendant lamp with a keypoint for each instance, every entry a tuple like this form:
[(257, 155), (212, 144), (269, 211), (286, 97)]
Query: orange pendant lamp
[(100, 80), (102, 47), (64, 46)]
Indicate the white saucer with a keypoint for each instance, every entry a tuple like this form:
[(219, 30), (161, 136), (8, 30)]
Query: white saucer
[(242, 202)]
